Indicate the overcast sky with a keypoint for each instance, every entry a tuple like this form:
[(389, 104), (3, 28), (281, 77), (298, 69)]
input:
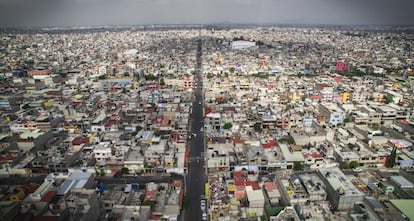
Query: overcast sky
[(49, 13)]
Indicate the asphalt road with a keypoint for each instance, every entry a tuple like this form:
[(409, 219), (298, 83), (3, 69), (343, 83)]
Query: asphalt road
[(196, 177), (16, 180)]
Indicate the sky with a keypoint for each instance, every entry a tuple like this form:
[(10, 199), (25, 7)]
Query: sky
[(51, 13)]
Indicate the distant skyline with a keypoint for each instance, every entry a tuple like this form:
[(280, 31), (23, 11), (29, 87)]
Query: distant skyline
[(69, 13)]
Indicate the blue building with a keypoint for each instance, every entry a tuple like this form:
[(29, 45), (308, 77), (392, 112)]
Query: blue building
[(333, 113)]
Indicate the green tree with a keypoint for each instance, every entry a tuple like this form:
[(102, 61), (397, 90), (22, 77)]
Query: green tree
[(228, 125), (353, 164), (257, 127), (375, 126), (126, 74), (391, 160), (290, 140), (102, 77), (343, 165), (162, 81), (389, 99), (125, 170), (102, 172), (150, 77), (232, 69), (209, 75), (298, 166)]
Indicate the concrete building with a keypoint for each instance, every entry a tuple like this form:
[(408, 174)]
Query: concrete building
[(333, 113), (82, 204), (342, 194), (242, 44), (256, 201)]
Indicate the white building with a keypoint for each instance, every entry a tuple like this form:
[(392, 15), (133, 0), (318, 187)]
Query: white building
[(242, 44)]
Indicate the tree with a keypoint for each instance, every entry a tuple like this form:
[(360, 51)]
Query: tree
[(102, 77), (375, 126), (391, 160), (209, 75), (102, 172), (389, 99), (150, 77), (125, 170), (290, 140), (343, 165), (232, 69), (298, 166), (126, 74), (257, 127), (162, 81), (228, 125), (353, 164)]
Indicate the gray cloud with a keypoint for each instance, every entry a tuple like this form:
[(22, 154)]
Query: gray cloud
[(47, 13)]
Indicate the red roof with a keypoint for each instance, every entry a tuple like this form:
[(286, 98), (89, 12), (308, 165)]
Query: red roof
[(236, 140), (254, 184), (208, 110), (80, 140), (269, 144), (313, 155), (49, 196), (338, 79), (110, 123), (316, 96), (150, 110), (270, 186)]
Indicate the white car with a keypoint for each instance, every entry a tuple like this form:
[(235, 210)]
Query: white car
[(204, 216), (203, 205), (357, 169)]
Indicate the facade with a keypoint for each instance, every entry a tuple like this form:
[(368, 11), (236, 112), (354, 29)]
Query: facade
[(342, 194), (334, 114), (341, 66)]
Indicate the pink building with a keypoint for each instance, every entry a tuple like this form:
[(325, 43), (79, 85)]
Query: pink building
[(341, 66)]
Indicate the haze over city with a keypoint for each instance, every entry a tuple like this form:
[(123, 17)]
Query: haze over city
[(50, 13), (206, 110)]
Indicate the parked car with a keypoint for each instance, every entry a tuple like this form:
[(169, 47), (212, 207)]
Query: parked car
[(204, 216), (203, 205), (357, 169)]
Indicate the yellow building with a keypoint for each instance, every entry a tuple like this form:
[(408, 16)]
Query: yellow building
[(346, 97)]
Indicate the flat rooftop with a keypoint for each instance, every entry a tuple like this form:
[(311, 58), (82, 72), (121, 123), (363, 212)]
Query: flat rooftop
[(338, 181)]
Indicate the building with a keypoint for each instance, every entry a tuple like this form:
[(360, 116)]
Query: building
[(82, 204), (242, 44), (342, 194), (77, 181), (334, 114), (256, 201), (341, 66)]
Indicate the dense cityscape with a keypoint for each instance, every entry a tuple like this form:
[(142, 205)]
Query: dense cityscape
[(207, 123)]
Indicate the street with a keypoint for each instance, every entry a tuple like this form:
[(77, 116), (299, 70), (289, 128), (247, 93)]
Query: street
[(196, 177)]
